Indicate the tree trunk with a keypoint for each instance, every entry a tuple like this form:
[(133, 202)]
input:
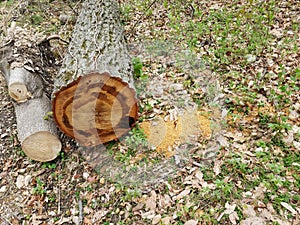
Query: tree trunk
[(18, 57), (97, 44), (95, 98)]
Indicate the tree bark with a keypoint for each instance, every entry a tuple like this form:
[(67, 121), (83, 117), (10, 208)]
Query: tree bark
[(94, 92), (98, 44)]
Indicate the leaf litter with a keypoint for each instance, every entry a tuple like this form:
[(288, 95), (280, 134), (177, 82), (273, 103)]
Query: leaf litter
[(247, 147)]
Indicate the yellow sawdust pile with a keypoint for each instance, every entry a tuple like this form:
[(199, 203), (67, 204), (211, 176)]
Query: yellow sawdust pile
[(164, 135)]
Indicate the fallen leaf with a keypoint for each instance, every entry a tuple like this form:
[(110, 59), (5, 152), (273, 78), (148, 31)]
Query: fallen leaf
[(191, 222), (166, 220), (253, 221), (217, 167), (20, 181), (182, 194), (86, 221), (27, 180), (3, 189), (156, 219), (233, 217), (148, 215), (266, 214), (164, 201), (150, 202), (289, 207), (248, 211), (99, 214), (139, 206), (259, 192), (199, 175), (63, 220), (223, 141), (229, 208), (92, 179)]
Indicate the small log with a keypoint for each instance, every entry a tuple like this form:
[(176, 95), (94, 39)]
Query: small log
[(38, 136), (23, 69)]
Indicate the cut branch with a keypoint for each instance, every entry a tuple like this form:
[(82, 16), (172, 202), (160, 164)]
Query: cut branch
[(23, 85), (26, 77), (38, 136)]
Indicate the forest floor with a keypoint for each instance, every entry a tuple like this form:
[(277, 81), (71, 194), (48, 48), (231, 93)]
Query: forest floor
[(230, 67)]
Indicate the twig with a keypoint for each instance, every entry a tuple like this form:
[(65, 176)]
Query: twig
[(56, 37), (53, 37), (58, 206), (80, 211)]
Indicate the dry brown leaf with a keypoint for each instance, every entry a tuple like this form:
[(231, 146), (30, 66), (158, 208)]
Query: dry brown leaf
[(228, 210), (289, 207), (266, 214), (164, 201), (20, 181), (150, 202), (259, 192), (199, 175), (182, 194), (248, 211), (87, 221), (217, 167), (139, 206), (148, 215), (223, 141), (156, 219), (253, 221), (191, 222), (166, 220), (64, 220), (99, 214), (233, 217)]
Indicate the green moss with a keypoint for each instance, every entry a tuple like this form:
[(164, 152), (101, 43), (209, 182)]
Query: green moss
[(36, 19)]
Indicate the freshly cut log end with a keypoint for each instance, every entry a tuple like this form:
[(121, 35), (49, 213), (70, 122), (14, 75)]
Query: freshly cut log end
[(42, 146), (95, 109), (19, 92)]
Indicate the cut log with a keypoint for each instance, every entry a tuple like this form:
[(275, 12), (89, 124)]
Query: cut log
[(95, 109), (95, 100), (23, 68), (38, 136)]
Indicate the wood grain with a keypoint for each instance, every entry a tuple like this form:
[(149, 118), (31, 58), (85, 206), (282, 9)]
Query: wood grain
[(95, 109)]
